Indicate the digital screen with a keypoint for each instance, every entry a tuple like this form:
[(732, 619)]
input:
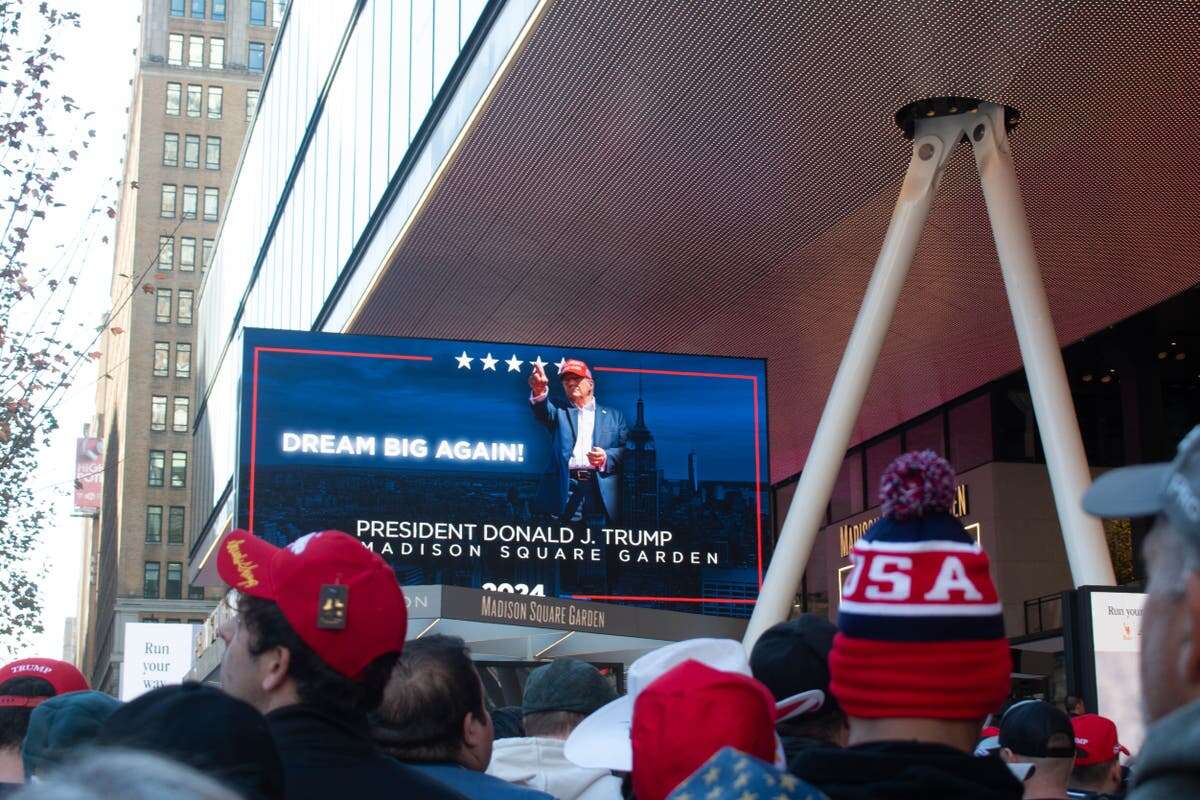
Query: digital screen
[(1116, 642), (647, 484)]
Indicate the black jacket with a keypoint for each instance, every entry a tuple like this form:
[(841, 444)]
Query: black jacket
[(327, 757), (793, 746), (905, 771)]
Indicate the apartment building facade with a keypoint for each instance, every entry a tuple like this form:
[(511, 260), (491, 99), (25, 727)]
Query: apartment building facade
[(195, 92)]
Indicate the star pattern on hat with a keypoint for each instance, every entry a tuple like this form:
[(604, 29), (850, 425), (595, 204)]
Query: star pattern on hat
[(733, 775)]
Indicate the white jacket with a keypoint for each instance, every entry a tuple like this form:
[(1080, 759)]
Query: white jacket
[(539, 763)]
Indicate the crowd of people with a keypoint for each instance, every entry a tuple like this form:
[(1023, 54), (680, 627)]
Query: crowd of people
[(908, 696)]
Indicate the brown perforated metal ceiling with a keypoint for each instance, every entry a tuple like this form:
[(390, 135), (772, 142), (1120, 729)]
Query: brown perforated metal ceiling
[(716, 177)]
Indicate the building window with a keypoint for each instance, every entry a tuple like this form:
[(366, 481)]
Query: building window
[(257, 58), (258, 12), (170, 149), (150, 579), (878, 457), (971, 434), (212, 204), (158, 412), (196, 592), (166, 253), (177, 8), (251, 103), (174, 93), (190, 197), (179, 419), (198, 9), (194, 94), (191, 151), (212, 152), (277, 12), (166, 207), (196, 52), (208, 254), (175, 49), (183, 360), (216, 53), (218, 9), (175, 525), (174, 587), (178, 469), (162, 359), (187, 254), (185, 307), (153, 524), (216, 98), (158, 465), (162, 305)]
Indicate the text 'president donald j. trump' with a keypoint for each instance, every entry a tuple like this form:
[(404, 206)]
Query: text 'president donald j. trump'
[(582, 481)]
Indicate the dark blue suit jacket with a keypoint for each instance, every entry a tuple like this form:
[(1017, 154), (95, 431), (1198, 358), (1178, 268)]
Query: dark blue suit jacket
[(609, 433)]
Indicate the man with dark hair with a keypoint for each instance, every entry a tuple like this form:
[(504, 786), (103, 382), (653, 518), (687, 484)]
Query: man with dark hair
[(1097, 771), (24, 685), (319, 626), (434, 718), (791, 659), (557, 697), (1168, 765), (1074, 705)]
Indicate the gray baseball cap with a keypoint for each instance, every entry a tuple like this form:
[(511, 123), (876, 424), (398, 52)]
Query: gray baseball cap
[(1171, 489), (566, 685)]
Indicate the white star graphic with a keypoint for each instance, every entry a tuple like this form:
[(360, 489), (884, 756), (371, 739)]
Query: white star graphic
[(514, 363), (464, 361), (489, 362), (537, 362), (559, 364)]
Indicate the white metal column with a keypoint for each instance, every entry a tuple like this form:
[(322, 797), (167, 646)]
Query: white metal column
[(1083, 535), (931, 149), (934, 138)]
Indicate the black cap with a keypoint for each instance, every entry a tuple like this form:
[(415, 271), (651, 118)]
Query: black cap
[(793, 657), (205, 728), (566, 685), (1170, 488), (1036, 729)]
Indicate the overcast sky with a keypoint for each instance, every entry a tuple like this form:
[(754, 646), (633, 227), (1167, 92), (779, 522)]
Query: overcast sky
[(99, 63)]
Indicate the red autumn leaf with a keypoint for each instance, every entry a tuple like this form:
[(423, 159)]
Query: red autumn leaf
[(117, 330)]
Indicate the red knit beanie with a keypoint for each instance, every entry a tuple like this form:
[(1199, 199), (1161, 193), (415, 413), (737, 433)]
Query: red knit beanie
[(920, 628)]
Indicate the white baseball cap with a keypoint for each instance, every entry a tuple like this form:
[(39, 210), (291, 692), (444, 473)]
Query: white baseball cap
[(601, 740)]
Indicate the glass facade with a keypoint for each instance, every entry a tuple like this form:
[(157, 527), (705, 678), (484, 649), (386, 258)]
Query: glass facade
[(283, 244)]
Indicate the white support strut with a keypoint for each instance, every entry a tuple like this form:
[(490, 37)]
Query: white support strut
[(934, 139)]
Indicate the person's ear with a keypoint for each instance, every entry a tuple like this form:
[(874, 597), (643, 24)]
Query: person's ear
[(1006, 755), (1189, 648), (273, 667)]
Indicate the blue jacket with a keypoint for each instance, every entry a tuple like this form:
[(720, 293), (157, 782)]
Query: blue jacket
[(476, 785), (609, 433)]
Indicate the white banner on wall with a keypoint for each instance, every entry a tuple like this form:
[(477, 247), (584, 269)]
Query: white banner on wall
[(1116, 642), (155, 655)]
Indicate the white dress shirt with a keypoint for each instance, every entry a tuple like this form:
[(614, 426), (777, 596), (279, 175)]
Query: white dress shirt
[(584, 432)]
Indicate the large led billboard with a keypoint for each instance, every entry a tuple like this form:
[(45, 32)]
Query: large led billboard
[(648, 484)]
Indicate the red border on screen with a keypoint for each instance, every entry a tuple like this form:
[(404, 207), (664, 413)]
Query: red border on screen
[(397, 357)]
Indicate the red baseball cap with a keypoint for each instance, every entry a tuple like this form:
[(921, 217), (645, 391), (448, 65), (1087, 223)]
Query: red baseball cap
[(573, 366), (62, 675), (1095, 740), (688, 714), (342, 600)]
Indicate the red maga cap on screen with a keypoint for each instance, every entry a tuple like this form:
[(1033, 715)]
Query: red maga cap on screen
[(573, 366), (1095, 740), (342, 600), (63, 676)]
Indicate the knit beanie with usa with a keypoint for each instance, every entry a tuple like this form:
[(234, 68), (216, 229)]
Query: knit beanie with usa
[(920, 628)]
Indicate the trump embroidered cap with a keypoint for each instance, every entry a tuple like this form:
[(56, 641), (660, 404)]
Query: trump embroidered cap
[(573, 366), (1096, 740), (342, 600), (688, 714), (1169, 488), (920, 625), (62, 675)]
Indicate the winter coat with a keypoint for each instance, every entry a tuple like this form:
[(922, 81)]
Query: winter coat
[(1168, 765), (905, 771), (539, 763), (476, 785), (333, 757)]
